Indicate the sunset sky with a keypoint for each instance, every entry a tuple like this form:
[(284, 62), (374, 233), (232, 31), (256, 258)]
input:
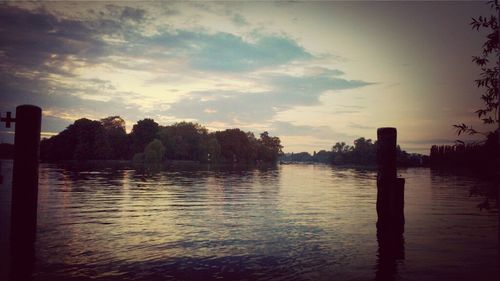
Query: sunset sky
[(312, 73)]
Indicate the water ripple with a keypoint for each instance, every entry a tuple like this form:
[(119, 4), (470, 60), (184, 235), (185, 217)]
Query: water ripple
[(293, 222)]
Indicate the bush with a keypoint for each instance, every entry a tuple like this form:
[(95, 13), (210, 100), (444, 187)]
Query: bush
[(154, 152), (138, 158)]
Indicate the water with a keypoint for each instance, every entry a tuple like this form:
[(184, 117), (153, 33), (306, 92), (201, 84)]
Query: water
[(291, 222)]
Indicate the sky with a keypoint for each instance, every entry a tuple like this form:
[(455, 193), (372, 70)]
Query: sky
[(311, 73)]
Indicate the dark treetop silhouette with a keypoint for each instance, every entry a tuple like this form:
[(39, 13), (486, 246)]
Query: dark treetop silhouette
[(363, 152), (483, 155), (148, 141)]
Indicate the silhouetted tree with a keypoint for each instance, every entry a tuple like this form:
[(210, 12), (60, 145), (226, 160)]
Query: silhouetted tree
[(212, 148), (364, 151), (91, 140), (481, 156), (114, 127), (269, 149), (138, 157), (256, 148), (142, 133), (488, 78), (340, 147), (185, 141), (83, 140), (234, 145), (404, 159), (323, 156), (340, 153), (154, 152), (297, 157), (149, 142), (58, 147)]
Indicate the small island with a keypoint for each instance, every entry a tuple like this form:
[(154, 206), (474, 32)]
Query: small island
[(106, 139)]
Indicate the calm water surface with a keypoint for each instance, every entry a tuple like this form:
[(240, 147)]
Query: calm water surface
[(291, 222)]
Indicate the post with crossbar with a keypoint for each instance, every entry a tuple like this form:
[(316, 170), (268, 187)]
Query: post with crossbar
[(24, 189)]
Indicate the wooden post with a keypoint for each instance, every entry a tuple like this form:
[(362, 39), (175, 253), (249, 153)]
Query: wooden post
[(390, 189), (390, 206), (25, 190), (498, 135)]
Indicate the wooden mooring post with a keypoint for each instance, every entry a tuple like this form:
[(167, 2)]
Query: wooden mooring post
[(390, 188), (390, 206), (24, 189)]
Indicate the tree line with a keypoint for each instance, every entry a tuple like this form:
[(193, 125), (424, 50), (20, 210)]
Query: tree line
[(363, 152), (106, 139), (482, 156)]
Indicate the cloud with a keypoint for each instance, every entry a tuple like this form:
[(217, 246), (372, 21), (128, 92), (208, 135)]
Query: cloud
[(54, 124), (430, 142), (36, 41), (317, 70), (133, 14), (314, 83), (352, 106), (229, 107), (338, 112), (239, 20), (40, 54), (224, 51), (286, 92), (320, 132), (359, 126), (43, 55)]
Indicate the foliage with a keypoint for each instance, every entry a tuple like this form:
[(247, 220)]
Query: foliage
[(154, 152), (475, 156), (142, 133), (185, 141), (92, 143), (323, 156), (138, 157), (235, 146), (488, 78), (269, 148), (83, 140), (363, 152), (150, 142), (297, 157), (114, 127)]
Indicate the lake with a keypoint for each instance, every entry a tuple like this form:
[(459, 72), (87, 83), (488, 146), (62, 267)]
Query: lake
[(290, 222)]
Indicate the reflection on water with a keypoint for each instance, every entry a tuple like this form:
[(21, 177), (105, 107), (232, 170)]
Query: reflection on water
[(391, 251), (293, 222)]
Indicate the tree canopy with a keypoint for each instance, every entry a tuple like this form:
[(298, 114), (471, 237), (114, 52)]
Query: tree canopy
[(363, 152), (483, 155), (150, 142), (487, 61)]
